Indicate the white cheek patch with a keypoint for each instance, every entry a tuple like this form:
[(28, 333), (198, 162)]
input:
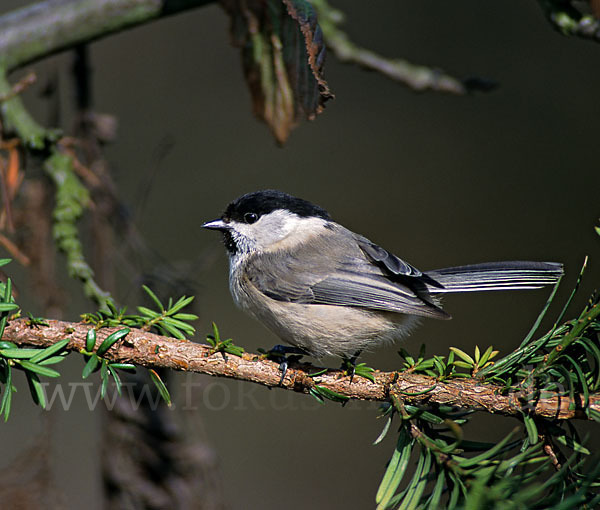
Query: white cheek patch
[(275, 231), (304, 230), (283, 229)]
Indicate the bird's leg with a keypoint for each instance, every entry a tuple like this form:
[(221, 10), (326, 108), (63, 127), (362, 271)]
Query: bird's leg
[(279, 353), (349, 364)]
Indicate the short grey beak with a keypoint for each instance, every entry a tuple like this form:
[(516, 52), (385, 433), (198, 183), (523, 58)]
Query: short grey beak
[(216, 225)]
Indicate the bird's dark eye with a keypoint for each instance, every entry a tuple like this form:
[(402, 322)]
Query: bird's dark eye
[(250, 217)]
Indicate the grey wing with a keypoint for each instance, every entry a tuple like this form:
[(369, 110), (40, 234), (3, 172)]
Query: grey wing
[(367, 291), (397, 268), (383, 257), (344, 278)]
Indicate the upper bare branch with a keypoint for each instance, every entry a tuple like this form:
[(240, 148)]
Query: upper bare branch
[(44, 28)]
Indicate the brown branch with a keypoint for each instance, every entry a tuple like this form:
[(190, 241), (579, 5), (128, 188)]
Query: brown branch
[(14, 250), (150, 350), (551, 453), (417, 77), (28, 80), (47, 27)]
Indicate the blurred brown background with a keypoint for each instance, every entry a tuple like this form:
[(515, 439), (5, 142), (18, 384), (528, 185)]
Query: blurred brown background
[(439, 180)]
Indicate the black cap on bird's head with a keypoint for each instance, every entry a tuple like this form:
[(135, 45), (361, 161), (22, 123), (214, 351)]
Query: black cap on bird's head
[(263, 202), (248, 209)]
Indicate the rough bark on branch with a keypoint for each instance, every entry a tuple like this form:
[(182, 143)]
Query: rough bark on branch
[(150, 350)]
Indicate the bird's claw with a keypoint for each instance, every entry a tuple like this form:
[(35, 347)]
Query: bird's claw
[(349, 365), (280, 353)]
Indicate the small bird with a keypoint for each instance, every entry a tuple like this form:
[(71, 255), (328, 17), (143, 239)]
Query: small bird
[(328, 291)]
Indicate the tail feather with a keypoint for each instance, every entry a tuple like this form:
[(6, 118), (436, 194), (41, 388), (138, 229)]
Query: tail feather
[(496, 276)]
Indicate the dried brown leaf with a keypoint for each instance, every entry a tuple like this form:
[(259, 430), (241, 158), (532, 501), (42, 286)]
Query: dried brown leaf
[(282, 55)]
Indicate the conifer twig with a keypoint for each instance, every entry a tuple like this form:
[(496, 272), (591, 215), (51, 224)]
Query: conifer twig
[(150, 350)]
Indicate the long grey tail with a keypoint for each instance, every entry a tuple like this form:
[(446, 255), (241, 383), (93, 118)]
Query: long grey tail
[(495, 276)]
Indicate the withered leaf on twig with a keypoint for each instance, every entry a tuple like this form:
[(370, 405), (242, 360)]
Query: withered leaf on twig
[(282, 54)]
